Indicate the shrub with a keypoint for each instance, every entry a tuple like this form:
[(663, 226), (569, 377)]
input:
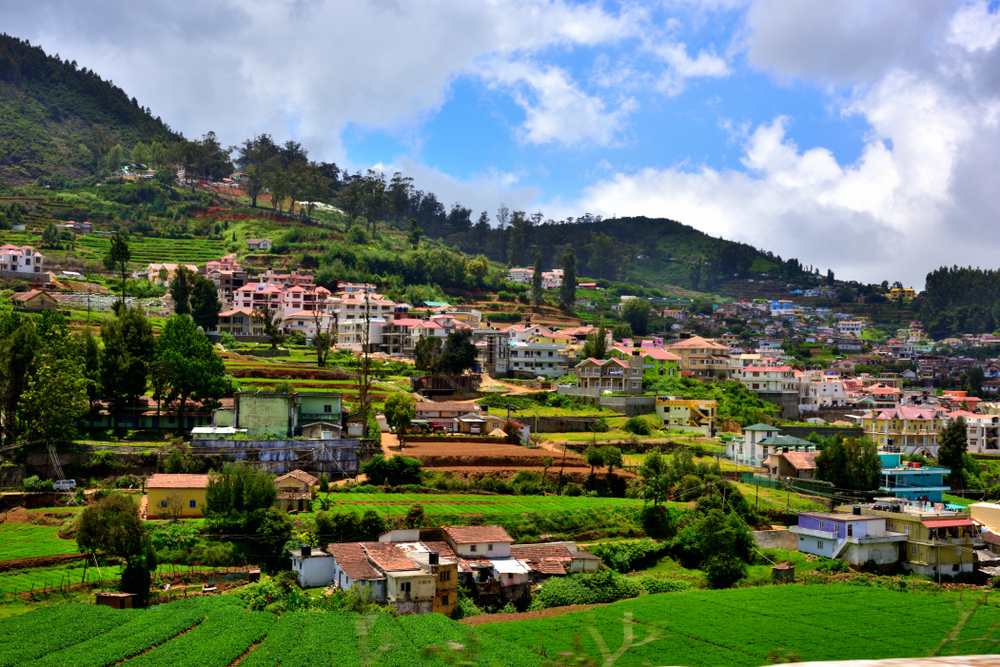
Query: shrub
[(833, 566), (394, 472), (297, 338), (724, 570), (33, 483), (654, 585), (637, 426), (227, 340), (357, 235), (622, 556), (596, 588)]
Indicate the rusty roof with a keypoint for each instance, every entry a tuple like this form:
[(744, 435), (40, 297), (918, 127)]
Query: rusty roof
[(352, 559), (300, 475), (165, 481), (477, 534), (388, 557)]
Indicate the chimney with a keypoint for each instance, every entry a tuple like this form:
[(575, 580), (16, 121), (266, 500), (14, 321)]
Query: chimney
[(432, 558), (857, 510), (306, 550)]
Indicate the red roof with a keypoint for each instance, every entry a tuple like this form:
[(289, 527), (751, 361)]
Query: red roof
[(165, 481), (477, 534), (300, 475), (947, 523), (388, 556)]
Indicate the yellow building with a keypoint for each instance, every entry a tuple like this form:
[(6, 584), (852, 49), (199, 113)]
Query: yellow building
[(694, 415), (902, 294), (934, 538), (702, 357), (169, 496), (904, 429), (295, 489)]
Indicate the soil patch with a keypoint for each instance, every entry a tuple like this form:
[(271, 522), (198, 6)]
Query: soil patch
[(21, 515), (274, 372), (26, 563), (551, 612)]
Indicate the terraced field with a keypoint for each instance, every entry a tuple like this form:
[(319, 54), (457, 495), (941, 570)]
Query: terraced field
[(397, 504), (24, 540), (217, 631)]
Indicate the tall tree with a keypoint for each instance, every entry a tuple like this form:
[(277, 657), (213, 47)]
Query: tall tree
[(503, 217), (400, 409), (120, 255), (56, 396), (90, 356), (325, 337), (351, 198), (180, 290), (458, 354), (953, 444), (850, 464), (636, 313), (596, 345), (128, 349), (536, 281), (205, 304), (518, 239), (19, 344), (399, 195), (375, 198), (113, 526), (194, 370), (413, 237), (567, 291), (270, 322)]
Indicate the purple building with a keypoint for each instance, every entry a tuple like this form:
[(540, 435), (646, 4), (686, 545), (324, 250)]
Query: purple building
[(855, 538)]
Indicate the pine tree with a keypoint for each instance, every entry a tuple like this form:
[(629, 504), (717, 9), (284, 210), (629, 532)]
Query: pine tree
[(536, 281), (567, 292)]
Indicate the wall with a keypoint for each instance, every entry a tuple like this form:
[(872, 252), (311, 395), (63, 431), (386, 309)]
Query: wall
[(27, 277), (156, 496), (788, 401), (776, 539), (822, 431), (630, 406), (882, 553), (556, 424), (11, 477), (334, 457), (264, 413)]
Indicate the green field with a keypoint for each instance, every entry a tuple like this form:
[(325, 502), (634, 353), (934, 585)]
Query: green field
[(744, 627), (397, 504), (216, 631), (24, 540)]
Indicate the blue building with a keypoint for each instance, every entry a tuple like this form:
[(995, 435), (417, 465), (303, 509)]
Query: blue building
[(912, 481)]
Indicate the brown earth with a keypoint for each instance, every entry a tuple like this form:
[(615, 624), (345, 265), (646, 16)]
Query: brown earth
[(42, 561), (21, 515), (275, 372), (551, 612)]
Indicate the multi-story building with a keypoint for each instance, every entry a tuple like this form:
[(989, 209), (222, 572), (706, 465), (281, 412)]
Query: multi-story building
[(938, 540), (983, 432), (285, 279), (910, 430), (702, 357), (855, 538), (239, 322), (351, 334), (492, 351), (902, 294), (522, 276), (688, 415), (596, 376), (398, 337), (533, 359), (851, 327), (818, 393), (152, 271), (655, 361), (258, 296)]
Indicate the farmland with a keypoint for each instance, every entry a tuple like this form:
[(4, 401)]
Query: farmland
[(25, 540), (216, 631), (396, 504), (832, 622)]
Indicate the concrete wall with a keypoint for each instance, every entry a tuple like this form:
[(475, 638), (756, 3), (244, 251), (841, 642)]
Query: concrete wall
[(822, 431), (334, 457), (883, 553), (630, 406), (788, 401), (556, 424), (776, 539), (11, 477), (28, 277), (264, 413)]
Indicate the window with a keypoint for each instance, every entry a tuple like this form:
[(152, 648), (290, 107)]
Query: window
[(906, 530), (510, 577), (473, 548), (444, 575), (404, 587), (489, 547), (819, 545), (822, 525), (192, 503), (444, 600), (163, 503), (913, 551), (327, 408)]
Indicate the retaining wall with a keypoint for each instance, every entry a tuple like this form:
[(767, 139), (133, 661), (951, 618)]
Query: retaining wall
[(776, 539), (27, 277), (822, 431), (630, 406)]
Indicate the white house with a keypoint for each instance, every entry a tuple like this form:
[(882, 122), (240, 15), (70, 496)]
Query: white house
[(20, 259), (545, 359), (855, 538), (478, 541), (313, 568), (259, 244)]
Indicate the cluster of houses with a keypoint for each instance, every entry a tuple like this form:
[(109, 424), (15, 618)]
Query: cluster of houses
[(550, 279), (419, 571)]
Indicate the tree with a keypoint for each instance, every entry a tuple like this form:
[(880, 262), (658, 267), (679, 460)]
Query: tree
[(50, 236), (953, 444), (567, 291), (399, 198), (595, 458), (205, 304), (850, 464), (517, 237), (113, 525), (163, 274), (120, 255), (399, 410), (240, 493), (458, 355), (413, 237), (175, 506), (655, 474), (612, 457), (636, 313), (56, 396), (270, 322), (128, 349), (140, 154), (536, 281), (193, 370), (323, 339), (426, 352), (596, 345), (375, 198), (396, 471), (19, 344), (115, 157), (622, 331), (180, 290)]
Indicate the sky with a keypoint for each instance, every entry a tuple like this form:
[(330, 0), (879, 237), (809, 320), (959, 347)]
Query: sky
[(859, 136)]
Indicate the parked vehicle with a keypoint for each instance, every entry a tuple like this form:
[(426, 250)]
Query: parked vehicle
[(64, 485)]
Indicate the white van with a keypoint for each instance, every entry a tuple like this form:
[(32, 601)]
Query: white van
[(64, 485)]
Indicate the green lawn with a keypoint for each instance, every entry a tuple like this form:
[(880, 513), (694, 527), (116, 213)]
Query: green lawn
[(24, 540)]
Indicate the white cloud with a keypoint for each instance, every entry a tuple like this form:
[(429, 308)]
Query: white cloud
[(556, 109), (975, 28), (681, 67)]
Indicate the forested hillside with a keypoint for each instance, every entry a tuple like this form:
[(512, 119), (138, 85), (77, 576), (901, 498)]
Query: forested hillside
[(960, 299), (58, 118)]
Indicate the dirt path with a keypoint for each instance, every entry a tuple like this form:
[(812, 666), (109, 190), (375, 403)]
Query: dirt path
[(551, 612), (488, 381)]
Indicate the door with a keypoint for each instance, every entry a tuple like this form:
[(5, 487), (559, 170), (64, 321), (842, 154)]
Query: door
[(850, 530), (300, 505)]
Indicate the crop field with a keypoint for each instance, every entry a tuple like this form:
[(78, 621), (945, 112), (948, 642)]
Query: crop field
[(146, 250), (216, 631), (25, 540), (817, 623), (397, 504)]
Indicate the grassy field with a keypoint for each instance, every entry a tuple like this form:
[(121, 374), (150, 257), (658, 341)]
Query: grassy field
[(767, 497), (216, 631), (832, 622), (24, 540)]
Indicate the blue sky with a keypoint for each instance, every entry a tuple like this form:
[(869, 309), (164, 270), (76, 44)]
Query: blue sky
[(858, 135)]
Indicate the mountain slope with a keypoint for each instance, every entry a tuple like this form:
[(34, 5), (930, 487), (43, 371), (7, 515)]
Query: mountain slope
[(49, 110)]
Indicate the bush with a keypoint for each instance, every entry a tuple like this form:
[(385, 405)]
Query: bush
[(654, 585), (724, 570), (833, 566), (227, 340), (394, 472), (596, 588), (638, 426), (297, 338), (622, 556), (34, 484), (357, 235)]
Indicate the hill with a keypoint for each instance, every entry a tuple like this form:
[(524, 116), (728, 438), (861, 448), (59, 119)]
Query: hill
[(54, 116)]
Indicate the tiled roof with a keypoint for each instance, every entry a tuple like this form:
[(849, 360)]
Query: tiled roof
[(543, 558), (300, 475), (801, 460), (442, 548), (388, 556), (353, 560), (477, 534), (698, 342), (446, 406), (164, 481)]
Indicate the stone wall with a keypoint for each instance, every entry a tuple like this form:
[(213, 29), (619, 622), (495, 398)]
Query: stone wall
[(788, 401), (343, 457), (27, 277), (11, 477), (630, 406), (804, 430), (557, 424), (776, 539)]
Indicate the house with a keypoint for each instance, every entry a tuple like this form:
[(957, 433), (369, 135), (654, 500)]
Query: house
[(750, 449), (902, 294), (259, 244), (531, 358), (295, 490), (910, 430), (77, 227), (787, 463), (937, 539), (855, 538), (351, 568), (478, 541), (913, 481), (239, 322), (176, 495), (594, 376), (687, 415), (555, 558), (322, 431), (655, 361), (20, 259), (36, 299), (702, 357), (522, 276), (313, 567), (153, 271)]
